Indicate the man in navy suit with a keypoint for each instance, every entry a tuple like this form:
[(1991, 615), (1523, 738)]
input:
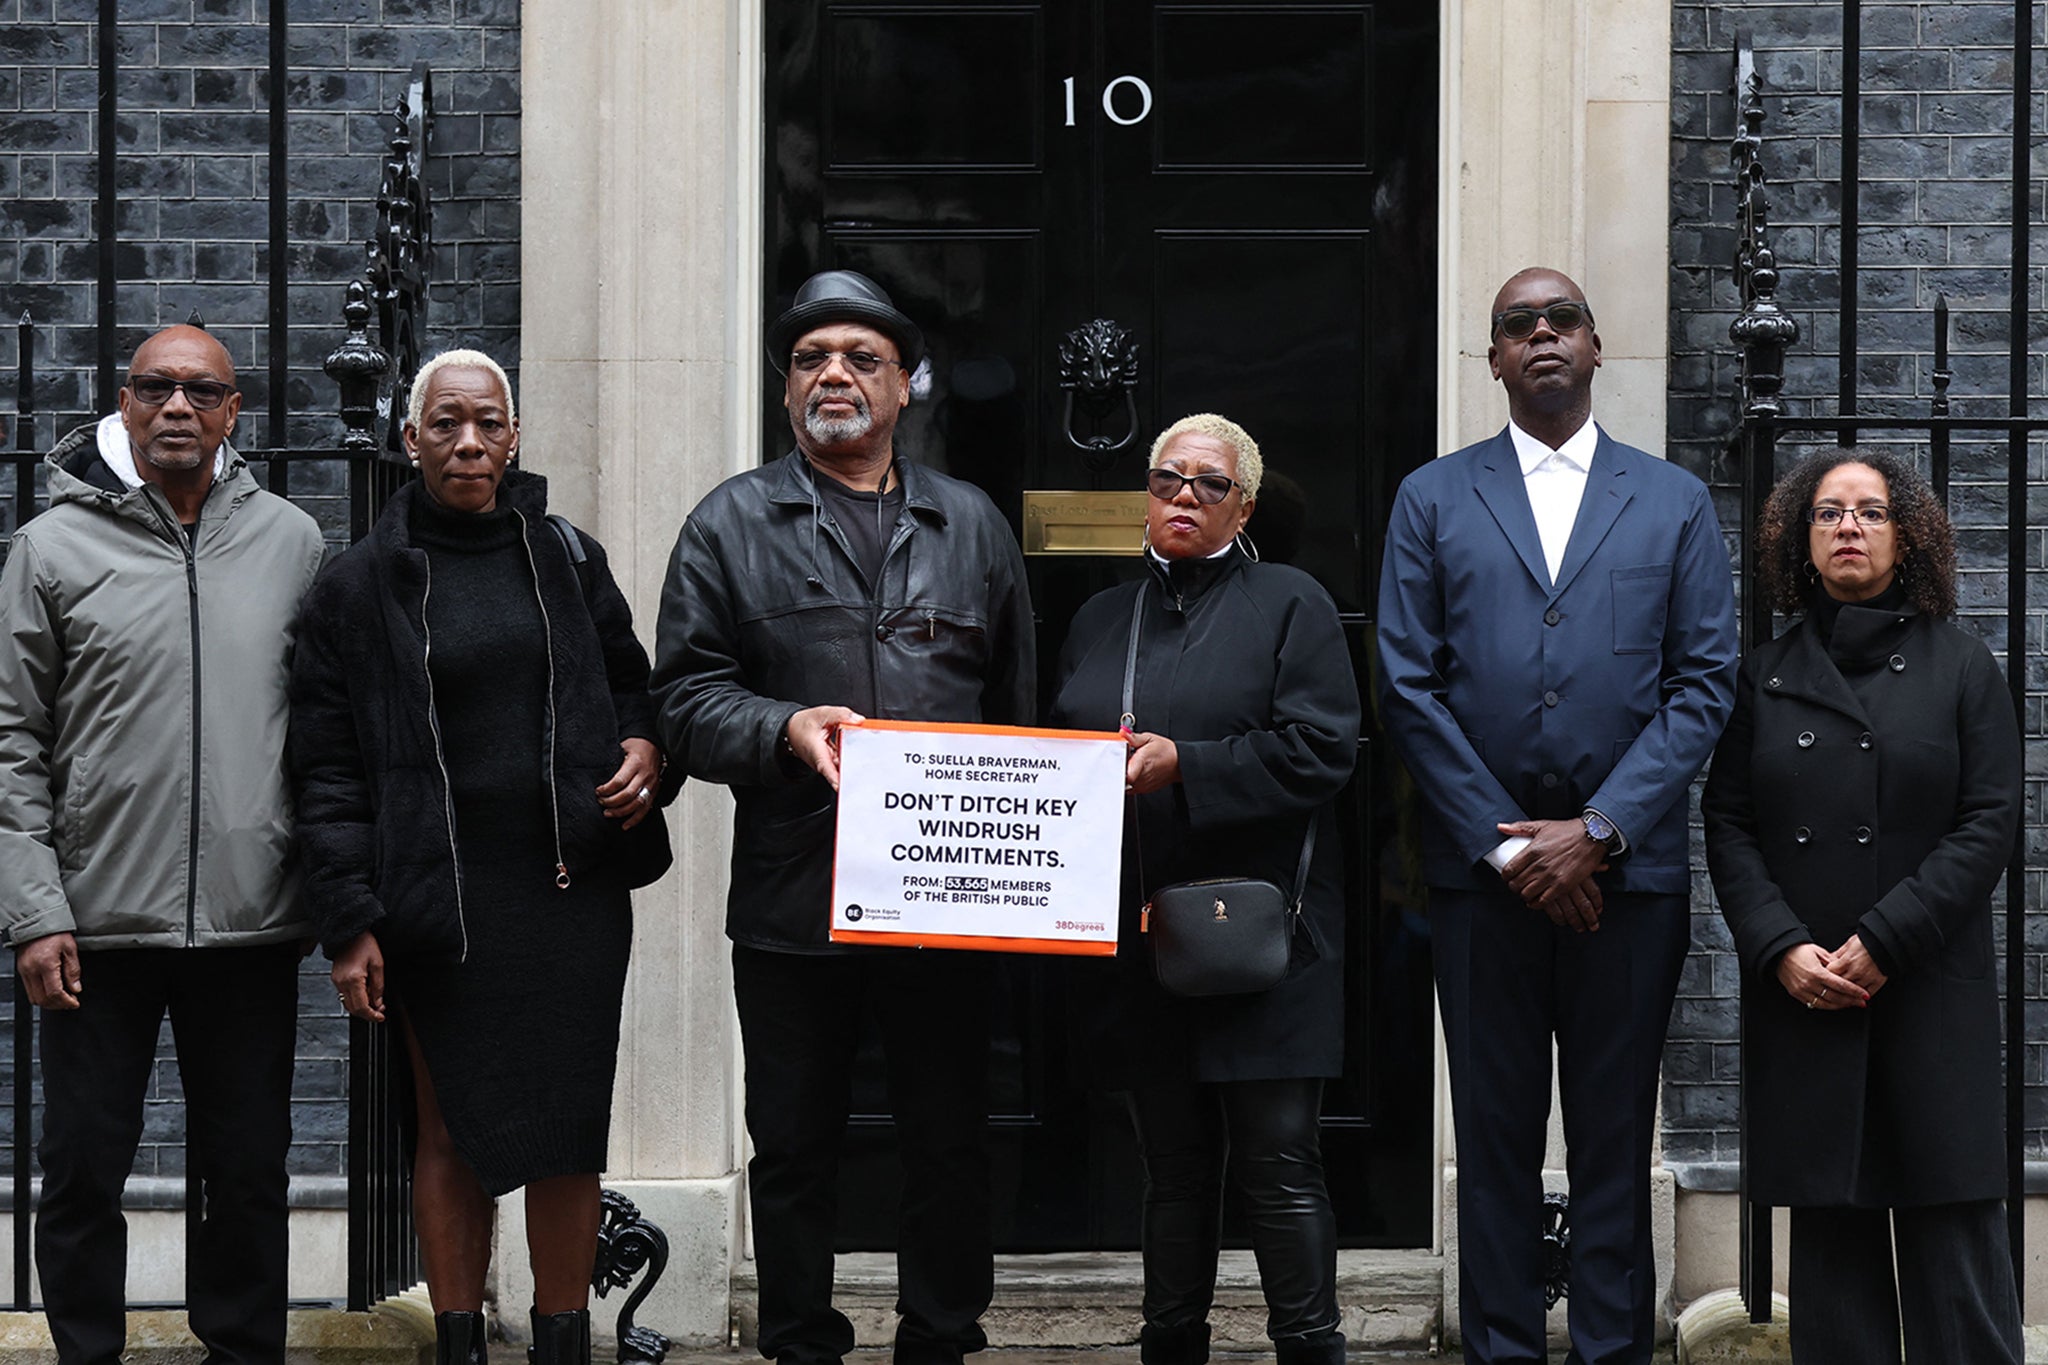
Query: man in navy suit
[(1557, 657)]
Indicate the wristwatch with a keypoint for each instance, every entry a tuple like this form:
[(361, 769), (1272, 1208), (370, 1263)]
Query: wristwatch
[(1601, 830)]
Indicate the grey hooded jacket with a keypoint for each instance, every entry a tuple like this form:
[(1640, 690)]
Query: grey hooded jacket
[(143, 800)]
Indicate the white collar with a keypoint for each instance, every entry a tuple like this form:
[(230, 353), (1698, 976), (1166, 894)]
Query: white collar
[(1577, 451), (1162, 560), (120, 457)]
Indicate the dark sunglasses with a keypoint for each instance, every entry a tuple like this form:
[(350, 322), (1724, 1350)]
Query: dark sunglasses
[(1210, 489), (1517, 323), (860, 362), (155, 390)]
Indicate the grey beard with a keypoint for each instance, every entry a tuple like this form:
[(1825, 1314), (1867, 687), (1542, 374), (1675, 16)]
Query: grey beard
[(178, 463), (833, 431)]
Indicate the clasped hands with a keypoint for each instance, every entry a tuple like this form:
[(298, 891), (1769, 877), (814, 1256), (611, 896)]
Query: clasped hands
[(1554, 873), (1820, 980)]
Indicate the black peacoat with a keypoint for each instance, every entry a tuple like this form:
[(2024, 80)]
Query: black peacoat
[(1244, 667), (1874, 790)]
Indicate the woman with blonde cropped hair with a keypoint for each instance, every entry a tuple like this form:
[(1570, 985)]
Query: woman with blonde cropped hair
[(1245, 728)]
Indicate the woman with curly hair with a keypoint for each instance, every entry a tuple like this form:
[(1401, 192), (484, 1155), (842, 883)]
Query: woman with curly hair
[(1861, 808)]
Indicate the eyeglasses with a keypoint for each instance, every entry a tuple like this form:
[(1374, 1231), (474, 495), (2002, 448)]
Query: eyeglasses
[(1210, 489), (1876, 514), (1516, 323), (860, 362), (154, 390)]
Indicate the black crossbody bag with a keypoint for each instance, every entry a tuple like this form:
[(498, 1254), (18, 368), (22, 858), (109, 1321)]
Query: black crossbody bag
[(1219, 935)]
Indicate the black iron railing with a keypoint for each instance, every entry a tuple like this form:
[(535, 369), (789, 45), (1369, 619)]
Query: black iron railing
[(1763, 333)]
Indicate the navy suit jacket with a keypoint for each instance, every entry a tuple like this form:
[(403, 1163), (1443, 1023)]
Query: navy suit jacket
[(1510, 698)]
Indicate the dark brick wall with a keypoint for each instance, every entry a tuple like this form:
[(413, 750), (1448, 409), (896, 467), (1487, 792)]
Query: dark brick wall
[(193, 102), (1935, 199)]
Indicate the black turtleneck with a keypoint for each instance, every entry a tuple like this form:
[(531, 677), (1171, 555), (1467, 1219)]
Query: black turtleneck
[(488, 660), (1853, 630), (1185, 580)]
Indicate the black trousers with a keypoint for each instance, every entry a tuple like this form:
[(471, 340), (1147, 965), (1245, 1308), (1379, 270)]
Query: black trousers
[(1508, 981), (1952, 1286), (234, 1020), (800, 1023), (1264, 1133)]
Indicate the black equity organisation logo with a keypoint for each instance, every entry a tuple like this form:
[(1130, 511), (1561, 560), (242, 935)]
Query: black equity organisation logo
[(853, 914)]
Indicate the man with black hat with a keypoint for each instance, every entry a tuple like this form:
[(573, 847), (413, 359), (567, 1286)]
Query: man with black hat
[(837, 583)]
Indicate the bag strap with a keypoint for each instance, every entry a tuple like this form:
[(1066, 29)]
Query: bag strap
[(573, 543), (1308, 853), (1130, 721)]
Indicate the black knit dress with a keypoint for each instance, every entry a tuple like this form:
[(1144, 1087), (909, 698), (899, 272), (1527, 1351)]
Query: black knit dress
[(521, 1038)]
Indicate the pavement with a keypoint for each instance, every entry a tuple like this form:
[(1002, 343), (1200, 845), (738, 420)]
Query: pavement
[(1101, 1356)]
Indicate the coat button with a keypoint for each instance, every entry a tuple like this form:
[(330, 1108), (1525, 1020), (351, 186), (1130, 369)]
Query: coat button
[(1771, 681), (1552, 617), (1550, 779), (1802, 835), (1862, 834), (1863, 741), (1550, 699), (1806, 739), (884, 632), (1898, 664)]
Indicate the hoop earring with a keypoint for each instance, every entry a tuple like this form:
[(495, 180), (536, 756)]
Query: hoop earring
[(1244, 543), (1812, 572)]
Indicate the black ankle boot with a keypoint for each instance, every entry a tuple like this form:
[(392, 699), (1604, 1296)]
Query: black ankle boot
[(1314, 1348), (1184, 1345), (459, 1339), (561, 1338)]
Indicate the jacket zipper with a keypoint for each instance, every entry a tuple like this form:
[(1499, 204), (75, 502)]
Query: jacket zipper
[(547, 631), (903, 531), (440, 757), (188, 546)]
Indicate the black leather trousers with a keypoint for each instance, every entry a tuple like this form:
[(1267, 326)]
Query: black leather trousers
[(1264, 1134)]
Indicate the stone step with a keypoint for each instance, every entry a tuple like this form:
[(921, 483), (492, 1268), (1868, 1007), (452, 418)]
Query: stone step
[(1391, 1300), (400, 1335)]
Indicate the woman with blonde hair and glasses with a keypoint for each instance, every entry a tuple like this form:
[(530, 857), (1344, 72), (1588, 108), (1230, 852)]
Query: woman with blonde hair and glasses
[(1245, 729)]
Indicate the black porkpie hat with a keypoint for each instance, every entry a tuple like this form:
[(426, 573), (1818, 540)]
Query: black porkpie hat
[(843, 296)]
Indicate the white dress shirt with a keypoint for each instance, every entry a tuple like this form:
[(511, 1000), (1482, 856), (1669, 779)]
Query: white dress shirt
[(1555, 481)]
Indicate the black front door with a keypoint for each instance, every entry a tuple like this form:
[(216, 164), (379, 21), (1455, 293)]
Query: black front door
[(1248, 189)]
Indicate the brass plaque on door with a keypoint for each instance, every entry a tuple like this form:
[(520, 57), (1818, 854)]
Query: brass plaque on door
[(1080, 522)]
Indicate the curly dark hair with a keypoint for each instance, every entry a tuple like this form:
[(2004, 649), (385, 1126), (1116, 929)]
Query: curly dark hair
[(1927, 543)]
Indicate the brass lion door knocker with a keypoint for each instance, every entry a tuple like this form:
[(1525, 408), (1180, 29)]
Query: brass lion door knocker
[(1099, 365)]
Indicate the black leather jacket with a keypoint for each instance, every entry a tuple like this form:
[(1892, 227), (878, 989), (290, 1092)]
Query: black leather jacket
[(764, 614)]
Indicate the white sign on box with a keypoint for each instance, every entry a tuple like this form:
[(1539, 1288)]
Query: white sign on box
[(993, 837)]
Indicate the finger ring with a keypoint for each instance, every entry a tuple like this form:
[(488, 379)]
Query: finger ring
[(645, 794), (1811, 1003), (1823, 994), (342, 998)]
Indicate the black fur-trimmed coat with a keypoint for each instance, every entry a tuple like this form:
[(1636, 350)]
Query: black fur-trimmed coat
[(374, 821)]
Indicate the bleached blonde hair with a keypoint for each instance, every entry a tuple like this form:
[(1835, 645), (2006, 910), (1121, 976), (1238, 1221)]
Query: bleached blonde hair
[(416, 401), (1250, 468)]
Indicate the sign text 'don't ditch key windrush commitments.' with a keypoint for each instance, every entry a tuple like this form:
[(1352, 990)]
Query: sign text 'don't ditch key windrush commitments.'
[(991, 837)]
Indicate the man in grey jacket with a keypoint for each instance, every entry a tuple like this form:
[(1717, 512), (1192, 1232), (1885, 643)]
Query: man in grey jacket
[(837, 583), (144, 838)]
